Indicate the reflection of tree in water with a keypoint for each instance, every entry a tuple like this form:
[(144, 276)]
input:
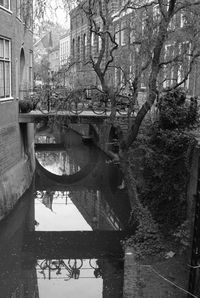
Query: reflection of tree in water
[(48, 158), (68, 166), (47, 197), (45, 139), (95, 209), (61, 162)]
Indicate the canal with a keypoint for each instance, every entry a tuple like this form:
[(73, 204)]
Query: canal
[(65, 236)]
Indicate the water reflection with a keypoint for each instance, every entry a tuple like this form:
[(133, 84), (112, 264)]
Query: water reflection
[(63, 238), (64, 158), (96, 191)]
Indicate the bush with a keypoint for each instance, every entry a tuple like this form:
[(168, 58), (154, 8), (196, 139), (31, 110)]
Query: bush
[(166, 175), (167, 159), (175, 111), (25, 105)]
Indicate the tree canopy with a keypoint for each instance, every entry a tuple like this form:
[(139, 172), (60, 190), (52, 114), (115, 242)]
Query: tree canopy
[(163, 48)]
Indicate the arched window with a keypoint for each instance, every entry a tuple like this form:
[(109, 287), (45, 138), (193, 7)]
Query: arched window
[(78, 47), (84, 46), (22, 65), (73, 48)]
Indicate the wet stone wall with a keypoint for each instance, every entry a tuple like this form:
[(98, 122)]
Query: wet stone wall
[(16, 157)]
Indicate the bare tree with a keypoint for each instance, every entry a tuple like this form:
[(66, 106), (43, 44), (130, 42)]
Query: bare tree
[(163, 47)]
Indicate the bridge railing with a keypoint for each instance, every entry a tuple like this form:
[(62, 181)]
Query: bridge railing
[(51, 99)]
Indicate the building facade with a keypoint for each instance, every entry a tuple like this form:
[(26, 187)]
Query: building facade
[(16, 141), (64, 47), (134, 37), (54, 60)]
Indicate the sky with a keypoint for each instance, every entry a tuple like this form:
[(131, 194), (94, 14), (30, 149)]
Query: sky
[(57, 13), (63, 218)]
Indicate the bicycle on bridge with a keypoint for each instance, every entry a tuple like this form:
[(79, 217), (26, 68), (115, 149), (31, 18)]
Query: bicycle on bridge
[(60, 100), (103, 105)]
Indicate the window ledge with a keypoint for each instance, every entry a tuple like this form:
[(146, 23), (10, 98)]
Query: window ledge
[(19, 19), (6, 99), (6, 9)]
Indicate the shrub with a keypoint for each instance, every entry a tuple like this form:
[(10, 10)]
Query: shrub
[(25, 105), (175, 111)]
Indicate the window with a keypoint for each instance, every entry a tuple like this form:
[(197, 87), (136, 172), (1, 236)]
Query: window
[(19, 8), (84, 46), (78, 47), (25, 12), (31, 69), (73, 48), (5, 68), (92, 39), (117, 34), (123, 33), (5, 3)]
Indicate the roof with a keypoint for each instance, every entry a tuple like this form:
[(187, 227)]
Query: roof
[(46, 40), (66, 34)]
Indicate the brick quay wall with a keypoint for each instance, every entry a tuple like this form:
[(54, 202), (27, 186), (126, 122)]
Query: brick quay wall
[(16, 156)]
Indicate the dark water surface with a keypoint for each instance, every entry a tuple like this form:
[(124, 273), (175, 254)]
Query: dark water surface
[(64, 237)]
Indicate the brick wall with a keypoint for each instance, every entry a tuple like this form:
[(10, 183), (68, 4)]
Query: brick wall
[(9, 148), (13, 28), (16, 143)]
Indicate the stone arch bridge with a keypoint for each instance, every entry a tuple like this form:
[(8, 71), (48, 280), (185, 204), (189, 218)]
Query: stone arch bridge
[(99, 126)]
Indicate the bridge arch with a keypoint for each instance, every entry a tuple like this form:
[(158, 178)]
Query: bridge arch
[(64, 179), (45, 178)]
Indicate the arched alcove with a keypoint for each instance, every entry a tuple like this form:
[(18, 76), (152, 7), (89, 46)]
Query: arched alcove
[(21, 71)]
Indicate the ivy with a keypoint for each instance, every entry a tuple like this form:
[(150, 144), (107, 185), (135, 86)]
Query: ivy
[(167, 147), (166, 175), (176, 111)]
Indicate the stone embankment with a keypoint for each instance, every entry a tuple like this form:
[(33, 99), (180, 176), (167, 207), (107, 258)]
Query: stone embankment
[(17, 161), (159, 279)]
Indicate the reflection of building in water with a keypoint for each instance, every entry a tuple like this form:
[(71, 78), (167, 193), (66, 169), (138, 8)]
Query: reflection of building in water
[(109, 272), (28, 286), (45, 139), (95, 209), (63, 162), (17, 272), (112, 274), (48, 158), (69, 166), (47, 197)]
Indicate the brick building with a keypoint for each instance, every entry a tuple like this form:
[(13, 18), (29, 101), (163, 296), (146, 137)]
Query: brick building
[(129, 29), (16, 141)]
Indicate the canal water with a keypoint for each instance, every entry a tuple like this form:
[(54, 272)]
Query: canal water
[(65, 236)]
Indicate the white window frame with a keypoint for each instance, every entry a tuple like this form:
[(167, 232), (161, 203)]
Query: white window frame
[(4, 5), (31, 70), (117, 34), (123, 33), (6, 60)]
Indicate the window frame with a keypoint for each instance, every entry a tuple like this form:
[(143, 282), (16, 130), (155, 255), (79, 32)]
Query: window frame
[(4, 7), (5, 61)]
